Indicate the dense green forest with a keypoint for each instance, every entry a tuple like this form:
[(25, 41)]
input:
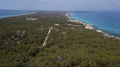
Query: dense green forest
[(68, 45)]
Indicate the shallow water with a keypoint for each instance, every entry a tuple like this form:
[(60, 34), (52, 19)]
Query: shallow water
[(10, 13), (107, 21)]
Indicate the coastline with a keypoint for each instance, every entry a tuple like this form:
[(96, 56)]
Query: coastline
[(90, 27), (1, 17)]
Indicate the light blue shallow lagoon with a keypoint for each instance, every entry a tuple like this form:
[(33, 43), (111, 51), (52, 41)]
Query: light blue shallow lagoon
[(107, 21), (10, 13)]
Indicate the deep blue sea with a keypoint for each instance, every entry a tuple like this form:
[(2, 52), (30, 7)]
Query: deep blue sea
[(10, 13), (107, 21)]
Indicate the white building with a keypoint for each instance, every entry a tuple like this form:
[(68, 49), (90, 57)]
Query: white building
[(31, 18)]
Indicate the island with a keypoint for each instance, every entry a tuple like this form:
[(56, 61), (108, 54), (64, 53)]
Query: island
[(51, 39)]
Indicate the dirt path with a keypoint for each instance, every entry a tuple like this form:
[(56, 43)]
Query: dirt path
[(46, 38)]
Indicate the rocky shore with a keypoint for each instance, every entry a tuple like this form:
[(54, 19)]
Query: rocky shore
[(90, 27)]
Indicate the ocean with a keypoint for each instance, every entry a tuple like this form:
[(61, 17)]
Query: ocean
[(10, 13), (108, 22)]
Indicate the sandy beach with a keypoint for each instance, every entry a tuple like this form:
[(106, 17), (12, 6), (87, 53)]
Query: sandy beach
[(90, 27)]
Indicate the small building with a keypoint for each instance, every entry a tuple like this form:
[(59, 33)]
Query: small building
[(57, 24), (31, 18)]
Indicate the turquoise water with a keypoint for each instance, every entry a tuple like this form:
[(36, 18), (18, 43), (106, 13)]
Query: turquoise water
[(107, 21), (10, 13)]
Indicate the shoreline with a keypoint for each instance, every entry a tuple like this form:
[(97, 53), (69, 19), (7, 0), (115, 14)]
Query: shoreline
[(1, 17), (90, 27)]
